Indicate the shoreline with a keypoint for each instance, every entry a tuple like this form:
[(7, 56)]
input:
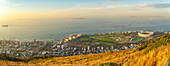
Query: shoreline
[(69, 35)]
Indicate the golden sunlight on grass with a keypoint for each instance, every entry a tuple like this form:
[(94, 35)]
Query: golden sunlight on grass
[(158, 57)]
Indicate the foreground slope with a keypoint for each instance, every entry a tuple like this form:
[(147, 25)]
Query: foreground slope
[(157, 57), (153, 53)]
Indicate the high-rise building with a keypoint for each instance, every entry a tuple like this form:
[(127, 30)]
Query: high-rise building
[(35, 41)]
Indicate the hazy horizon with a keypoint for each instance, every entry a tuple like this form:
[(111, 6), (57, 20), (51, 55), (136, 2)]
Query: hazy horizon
[(56, 29), (24, 9), (55, 19)]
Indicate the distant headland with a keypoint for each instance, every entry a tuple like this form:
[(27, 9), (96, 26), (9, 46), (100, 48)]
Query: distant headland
[(4, 25)]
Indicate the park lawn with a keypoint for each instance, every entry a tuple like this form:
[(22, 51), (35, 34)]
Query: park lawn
[(124, 41), (106, 39), (103, 39), (84, 39), (105, 43)]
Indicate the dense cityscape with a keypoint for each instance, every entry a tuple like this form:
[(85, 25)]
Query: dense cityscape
[(67, 46)]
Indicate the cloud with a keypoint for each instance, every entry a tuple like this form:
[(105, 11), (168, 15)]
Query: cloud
[(147, 5), (114, 0), (161, 5), (107, 7), (95, 8), (118, 6), (89, 12), (134, 8), (151, 17), (71, 18)]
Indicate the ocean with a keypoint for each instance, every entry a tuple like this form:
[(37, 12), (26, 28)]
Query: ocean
[(53, 29)]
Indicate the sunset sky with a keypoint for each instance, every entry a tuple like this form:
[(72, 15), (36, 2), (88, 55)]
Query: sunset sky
[(20, 9)]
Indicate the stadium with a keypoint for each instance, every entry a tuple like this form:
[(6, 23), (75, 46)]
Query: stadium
[(145, 33)]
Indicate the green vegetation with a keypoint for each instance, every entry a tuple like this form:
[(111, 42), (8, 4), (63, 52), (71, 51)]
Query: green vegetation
[(154, 43), (42, 48), (109, 64), (124, 41), (111, 39), (6, 57), (37, 57), (105, 39), (134, 50), (84, 39)]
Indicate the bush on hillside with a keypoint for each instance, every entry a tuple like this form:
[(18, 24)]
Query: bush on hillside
[(109, 64), (154, 43)]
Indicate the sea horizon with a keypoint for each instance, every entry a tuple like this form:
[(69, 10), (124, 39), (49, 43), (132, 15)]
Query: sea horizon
[(56, 29)]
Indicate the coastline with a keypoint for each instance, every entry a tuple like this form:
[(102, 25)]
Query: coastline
[(76, 44)]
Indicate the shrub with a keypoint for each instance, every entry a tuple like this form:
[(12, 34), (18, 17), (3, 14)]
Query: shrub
[(111, 51), (109, 64), (134, 50), (148, 46)]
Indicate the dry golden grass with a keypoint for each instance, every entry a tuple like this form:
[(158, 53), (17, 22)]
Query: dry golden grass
[(156, 57)]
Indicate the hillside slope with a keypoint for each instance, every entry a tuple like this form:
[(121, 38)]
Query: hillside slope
[(158, 57), (153, 53)]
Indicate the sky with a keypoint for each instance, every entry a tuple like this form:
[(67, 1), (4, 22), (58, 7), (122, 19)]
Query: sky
[(22, 9)]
